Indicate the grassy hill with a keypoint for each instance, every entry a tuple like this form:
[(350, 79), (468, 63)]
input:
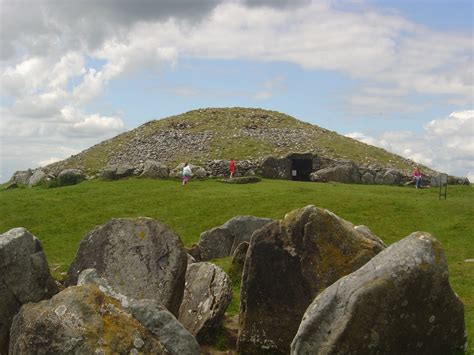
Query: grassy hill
[(60, 217), (242, 133)]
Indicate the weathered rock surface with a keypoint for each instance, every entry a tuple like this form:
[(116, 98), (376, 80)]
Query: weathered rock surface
[(124, 170), (199, 172), (38, 177), (80, 320), (276, 168), (389, 177), (174, 337), (364, 230), (239, 255), (140, 258), (118, 171), (155, 170), (288, 263), (24, 277), (70, 177), (22, 177), (400, 302), (367, 178), (207, 295), (221, 241), (345, 173)]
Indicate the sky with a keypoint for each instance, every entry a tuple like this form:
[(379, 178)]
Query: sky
[(397, 74)]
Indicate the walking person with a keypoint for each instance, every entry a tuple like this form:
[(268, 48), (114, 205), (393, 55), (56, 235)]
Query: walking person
[(186, 173), (417, 177), (231, 167)]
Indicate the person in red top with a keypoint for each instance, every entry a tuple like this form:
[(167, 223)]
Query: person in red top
[(231, 167), (417, 177)]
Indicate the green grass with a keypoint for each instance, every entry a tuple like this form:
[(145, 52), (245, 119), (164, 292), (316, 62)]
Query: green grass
[(60, 217)]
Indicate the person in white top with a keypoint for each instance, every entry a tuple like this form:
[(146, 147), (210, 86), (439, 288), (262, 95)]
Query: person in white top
[(186, 173)]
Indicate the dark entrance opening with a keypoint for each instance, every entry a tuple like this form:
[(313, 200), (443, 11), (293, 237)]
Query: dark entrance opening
[(301, 169)]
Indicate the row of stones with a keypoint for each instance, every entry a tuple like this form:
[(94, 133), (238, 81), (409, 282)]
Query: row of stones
[(292, 284)]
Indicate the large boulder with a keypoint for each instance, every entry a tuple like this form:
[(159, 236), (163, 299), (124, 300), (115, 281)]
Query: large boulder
[(174, 337), (24, 277), (207, 294), (22, 177), (276, 168), (155, 170), (346, 173), (367, 178), (199, 172), (117, 171), (70, 177), (400, 302), (288, 263), (389, 177), (140, 257), (80, 320), (221, 241), (38, 177)]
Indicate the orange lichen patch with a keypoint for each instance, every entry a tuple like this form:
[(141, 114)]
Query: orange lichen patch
[(117, 330), (141, 234)]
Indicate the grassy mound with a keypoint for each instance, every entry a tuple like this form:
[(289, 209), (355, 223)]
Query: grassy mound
[(60, 217), (221, 133)]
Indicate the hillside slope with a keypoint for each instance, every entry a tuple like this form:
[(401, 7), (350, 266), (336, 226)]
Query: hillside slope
[(221, 133)]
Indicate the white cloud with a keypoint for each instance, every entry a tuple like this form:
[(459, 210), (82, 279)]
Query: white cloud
[(446, 144), (48, 161), (89, 125)]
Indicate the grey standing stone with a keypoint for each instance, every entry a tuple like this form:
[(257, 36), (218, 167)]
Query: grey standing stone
[(207, 295), (288, 263), (221, 241), (400, 302), (24, 277), (140, 258)]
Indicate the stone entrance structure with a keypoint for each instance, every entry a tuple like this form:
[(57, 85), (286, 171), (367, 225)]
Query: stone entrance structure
[(301, 169), (295, 166)]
